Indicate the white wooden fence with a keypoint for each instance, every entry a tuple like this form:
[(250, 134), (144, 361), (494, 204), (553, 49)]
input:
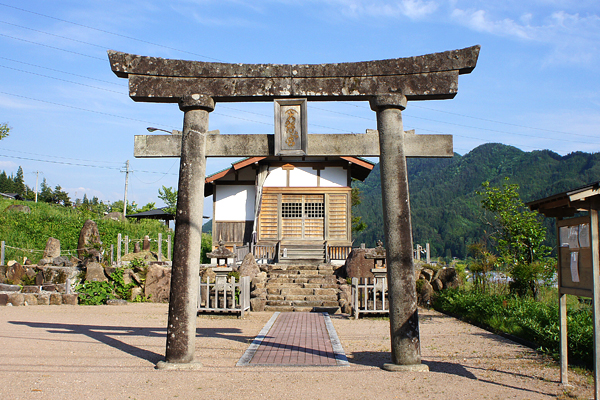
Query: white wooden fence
[(227, 298), (369, 296)]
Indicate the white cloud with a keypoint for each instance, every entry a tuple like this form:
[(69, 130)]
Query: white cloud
[(413, 9), (574, 38), (7, 166)]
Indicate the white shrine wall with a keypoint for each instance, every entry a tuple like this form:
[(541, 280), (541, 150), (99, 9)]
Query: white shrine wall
[(234, 203)]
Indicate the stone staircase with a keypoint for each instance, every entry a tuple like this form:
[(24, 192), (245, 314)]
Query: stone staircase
[(302, 253), (302, 288)]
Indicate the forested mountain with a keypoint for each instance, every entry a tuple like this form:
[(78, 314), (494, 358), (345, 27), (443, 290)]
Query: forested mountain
[(445, 209)]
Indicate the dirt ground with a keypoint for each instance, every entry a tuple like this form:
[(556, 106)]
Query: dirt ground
[(109, 352)]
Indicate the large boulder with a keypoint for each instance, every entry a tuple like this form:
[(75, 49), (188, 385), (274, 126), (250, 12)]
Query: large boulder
[(58, 275), (249, 267), (18, 208), (146, 243), (207, 273), (95, 273), (427, 274), (258, 304), (158, 283), (15, 273), (52, 249), (114, 215), (449, 278), (89, 244), (357, 266), (424, 292)]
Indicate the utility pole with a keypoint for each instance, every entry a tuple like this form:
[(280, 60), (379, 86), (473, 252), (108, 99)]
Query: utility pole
[(37, 175), (126, 182)]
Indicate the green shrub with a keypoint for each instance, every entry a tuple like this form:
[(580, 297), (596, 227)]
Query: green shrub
[(526, 318), (95, 293)]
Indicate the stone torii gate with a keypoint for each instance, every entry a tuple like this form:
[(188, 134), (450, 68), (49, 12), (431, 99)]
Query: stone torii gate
[(386, 84)]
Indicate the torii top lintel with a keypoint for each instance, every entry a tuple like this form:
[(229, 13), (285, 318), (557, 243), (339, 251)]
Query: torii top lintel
[(428, 77)]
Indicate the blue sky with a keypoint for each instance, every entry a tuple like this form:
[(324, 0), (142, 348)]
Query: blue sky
[(536, 85)]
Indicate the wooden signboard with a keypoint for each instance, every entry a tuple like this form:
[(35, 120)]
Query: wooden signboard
[(575, 274)]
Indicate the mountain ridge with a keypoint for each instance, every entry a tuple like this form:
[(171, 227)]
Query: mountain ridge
[(445, 207)]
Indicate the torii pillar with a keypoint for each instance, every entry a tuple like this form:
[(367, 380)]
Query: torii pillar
[(386, 84), (185, 273), (404, 318)]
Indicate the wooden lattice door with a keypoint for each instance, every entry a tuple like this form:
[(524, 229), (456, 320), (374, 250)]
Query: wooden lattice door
[(302, 216)]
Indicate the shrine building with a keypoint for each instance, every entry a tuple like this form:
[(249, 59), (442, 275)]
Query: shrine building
[(285, 201)]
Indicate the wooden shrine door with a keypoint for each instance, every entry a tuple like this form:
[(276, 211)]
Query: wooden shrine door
[(302, 216)]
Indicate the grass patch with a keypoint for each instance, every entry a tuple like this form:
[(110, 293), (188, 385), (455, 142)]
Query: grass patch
[(532, 320)]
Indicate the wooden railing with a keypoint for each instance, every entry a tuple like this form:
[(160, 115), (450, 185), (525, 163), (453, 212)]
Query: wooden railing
[(338, 252), (369, 296), (231, 297), (265, 253), (241, 251)]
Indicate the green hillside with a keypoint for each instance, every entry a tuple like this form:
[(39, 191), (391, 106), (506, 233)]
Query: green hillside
[(445, 208), (25, 235)]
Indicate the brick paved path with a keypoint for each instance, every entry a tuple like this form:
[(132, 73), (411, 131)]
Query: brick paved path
[(296, 338)]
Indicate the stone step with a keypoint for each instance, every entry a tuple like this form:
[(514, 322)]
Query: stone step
[(297, 291), (279, 303), (303, 267), (320, 298), (329, 309), (279, 308)]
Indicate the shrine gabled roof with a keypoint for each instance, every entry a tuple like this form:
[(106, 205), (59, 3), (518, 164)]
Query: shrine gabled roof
[(566, 204), (361, 167)]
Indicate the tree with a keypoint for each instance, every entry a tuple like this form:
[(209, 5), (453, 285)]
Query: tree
[(61, 197), (46, 194), (20, 187), (169, 196), (147, 207), (481, 265), (357, 224), (4, 129), (518, 235)]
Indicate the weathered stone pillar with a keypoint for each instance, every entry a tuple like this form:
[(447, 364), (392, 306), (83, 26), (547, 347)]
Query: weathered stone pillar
[(404, 318), (183, 307)]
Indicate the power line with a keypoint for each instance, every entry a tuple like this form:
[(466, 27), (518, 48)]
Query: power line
[(497, 131), (65, 72), (505, 123), (60, 162), (82, 165), (59, 79), (52, 34), (64, 158), (110, 33), (84, 109), (408, 116), (52, 47)]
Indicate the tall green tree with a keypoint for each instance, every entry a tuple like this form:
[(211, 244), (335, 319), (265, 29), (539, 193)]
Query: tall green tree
[(169, 196), (355, 200), (46, 194), (20, 187), (519, 237)]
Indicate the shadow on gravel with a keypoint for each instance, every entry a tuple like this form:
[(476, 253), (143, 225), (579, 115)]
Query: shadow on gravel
[(106, 334), (449, 368), (224, 333)]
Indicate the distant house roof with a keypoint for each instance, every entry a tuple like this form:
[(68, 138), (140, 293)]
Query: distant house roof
[(13, 196), (157, 213), (360, 169)]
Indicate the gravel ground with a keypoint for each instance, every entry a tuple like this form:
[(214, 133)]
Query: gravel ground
[(109, 352)]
